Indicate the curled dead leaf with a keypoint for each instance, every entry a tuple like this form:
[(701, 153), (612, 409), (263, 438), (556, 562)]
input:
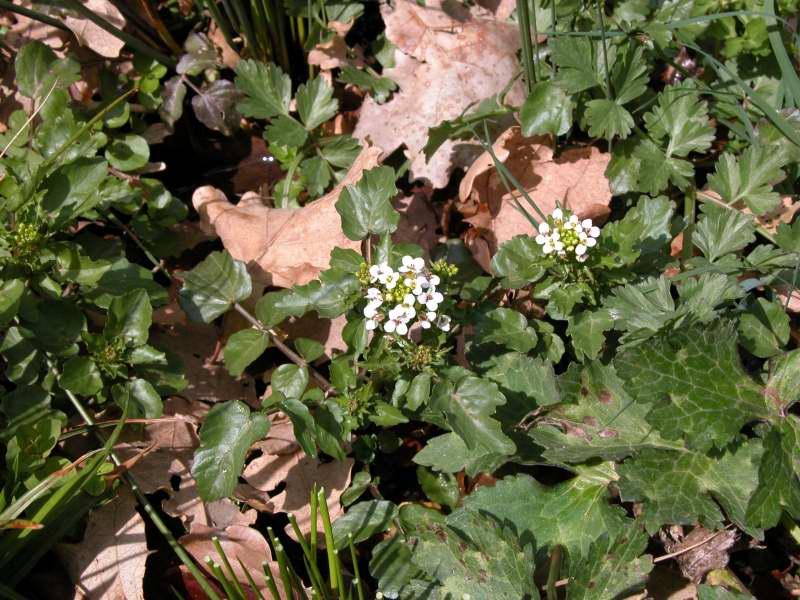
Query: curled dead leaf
[(109, 563), (93, 36), (299, 473), (239, 543), (441, 46), (335, 53), (575, 178), (289, 246)]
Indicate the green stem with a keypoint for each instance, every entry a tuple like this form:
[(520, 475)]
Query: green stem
[(689, 210), (145, 503), (526, 43), (33, 14), (552, 574), (609, 89)]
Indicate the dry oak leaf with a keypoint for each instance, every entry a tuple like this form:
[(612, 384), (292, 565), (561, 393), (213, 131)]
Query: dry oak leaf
[(196, 345), (283, 247), (109, 563), (299, 473), (575, 178), (335, 53), (240, 543), (92, 35), (448, 57)]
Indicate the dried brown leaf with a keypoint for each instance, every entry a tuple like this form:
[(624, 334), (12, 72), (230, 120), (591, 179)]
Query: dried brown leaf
[(93, 36), (299, 473), (575, 178), (449, 57), (335, 53), (109, 563), (239, 543)]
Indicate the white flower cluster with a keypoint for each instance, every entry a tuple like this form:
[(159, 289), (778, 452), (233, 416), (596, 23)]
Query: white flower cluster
[(565, 234), (408, 293)]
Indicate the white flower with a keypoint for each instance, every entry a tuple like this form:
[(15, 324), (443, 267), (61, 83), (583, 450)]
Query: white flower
[(431, 299), (443, 322), (371, 324), (426, 318), (544, 228), (586, 223), (422, 286), (580, 250), (374, 295), (391, 280), (547, 248), (590, 242), (594, 231), (540, 239), (434, 280), (374, 272), (573, 219), (557, 214), (412, 265), (582, 257), (396, 325), (372, 309), (382, 273)]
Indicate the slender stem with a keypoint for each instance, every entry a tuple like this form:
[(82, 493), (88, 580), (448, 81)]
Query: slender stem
[(33, 14), (609, 89), (273, 336), (29, 120), (689, 209), (552, 575), (526, 43), (535, 49), (144, 502)]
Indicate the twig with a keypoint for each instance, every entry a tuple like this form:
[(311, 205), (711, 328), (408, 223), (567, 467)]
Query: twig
[(693, 546), (273, 336)]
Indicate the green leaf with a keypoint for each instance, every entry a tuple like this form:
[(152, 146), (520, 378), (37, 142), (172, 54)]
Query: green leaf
[(630, 74), (473, 557), (285, 131), (58, 325), (333, 294), (749, 179), (469, 409), (448, 453), (778, 485), (597, 419), (290, 380), (200, 55), (225, 437), (678, 487), (696, 381), (143, 399), (386, 415), (608, 119), (303, 424), (81, 376), (489, 112), (526, 382), (587, 330), (783, 386), (680, 118), (214, 286), (267, 89), (579, 62), (11, 292), (330, 429), (572, 514), (518, 262), (37, 68), (72, 189), (316, 174), (391, 565), (363, 520), (173, 93), (23, 359), (647, 305), (309, 349), (215, 106), (507, 327), (613, 567), (361, 481), (722, 232), (366, 207), (787, 237), (129, 318), (243, 348), (708, 592), (339, 151), (764, 328), (441, 488), (419, 391), (315, 103), (547, 109), (128, 153), (380, 87)]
